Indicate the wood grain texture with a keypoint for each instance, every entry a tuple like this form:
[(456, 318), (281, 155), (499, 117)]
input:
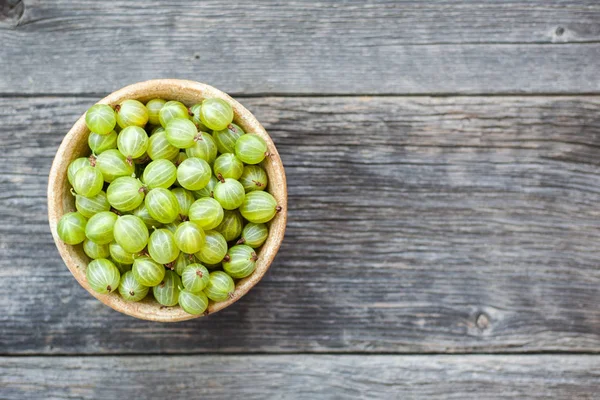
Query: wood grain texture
[(460, 224), (301, 377), (350, 47)]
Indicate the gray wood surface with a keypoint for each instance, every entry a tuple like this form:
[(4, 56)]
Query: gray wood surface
[(301, 377), (303, 47), (416, 224)]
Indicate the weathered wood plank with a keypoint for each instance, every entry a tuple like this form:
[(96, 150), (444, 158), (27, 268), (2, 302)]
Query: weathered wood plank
[(461, 224), (350, 47), (301, 377)]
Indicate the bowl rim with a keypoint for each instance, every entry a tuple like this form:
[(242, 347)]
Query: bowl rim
[(149, 309)]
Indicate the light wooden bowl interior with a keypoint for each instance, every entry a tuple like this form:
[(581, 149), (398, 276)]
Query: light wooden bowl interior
[(74, 145)]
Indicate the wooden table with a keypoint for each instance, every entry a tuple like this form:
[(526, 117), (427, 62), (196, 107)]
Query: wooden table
[(443, 162)]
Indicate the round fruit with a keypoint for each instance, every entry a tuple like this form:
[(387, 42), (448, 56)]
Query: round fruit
[(131, 113), (160, 148), (214, 249), (195, 111), (102, 276), (181, 133), (143, 213), (204, 147), (240, 261), (189, 237), (167, 292), (220, 286), (259, 207), (207, 191), (99, 143), (193, 173), (100, 119), (147, 271), (125, 193), (172, 110), (193, 303), (113, 165), (229, 193), (131, 233), (119, 254), (206, 212), (100, 228), (88, 181), (185, 199), (254, 235), (228, 166), (225, 139), (94, 250), (253, 178), (130, 289), (251, 149), (132, 142), (195, 277), (162, 246), (231, 226), (75, 166), (160, 173), (162, 205), (71, 228), (216, 114)]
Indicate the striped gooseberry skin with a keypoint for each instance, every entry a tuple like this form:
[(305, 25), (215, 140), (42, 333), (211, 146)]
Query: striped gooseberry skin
[(225, 138), (254, 235), (259, 207), (195, 277), (121, 267), (207, 191), (206, 212), (147, 271), (204, 147), (185, 199), (160, 174), (113, 165), (183, 260), (131, 233), (100, 228), (75, 166), (132, 142), (172, 110), (181, 133), (99, 143), (180, 158), (251, 149), (100, 119), (88, 206), (125, 193), (214, 249), (220, 286), (88, 181), (131, 113), (160, 148), (240, 261), (154, 106), (228, 166), (119, 254), (71, 228), (231, 226), (254, 178), (189, 237), (145, 216), (162, 246), (103, 276), (130, 289), (193, 303), (162, 205), (193, 173), (167, 291), (195, 111), (229, 193), (94, 250), (216, 114)]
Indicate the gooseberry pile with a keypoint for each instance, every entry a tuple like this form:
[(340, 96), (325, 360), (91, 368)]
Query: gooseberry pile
[(171, 201)]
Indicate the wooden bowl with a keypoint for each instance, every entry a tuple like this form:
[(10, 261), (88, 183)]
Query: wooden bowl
[(74, 145)]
